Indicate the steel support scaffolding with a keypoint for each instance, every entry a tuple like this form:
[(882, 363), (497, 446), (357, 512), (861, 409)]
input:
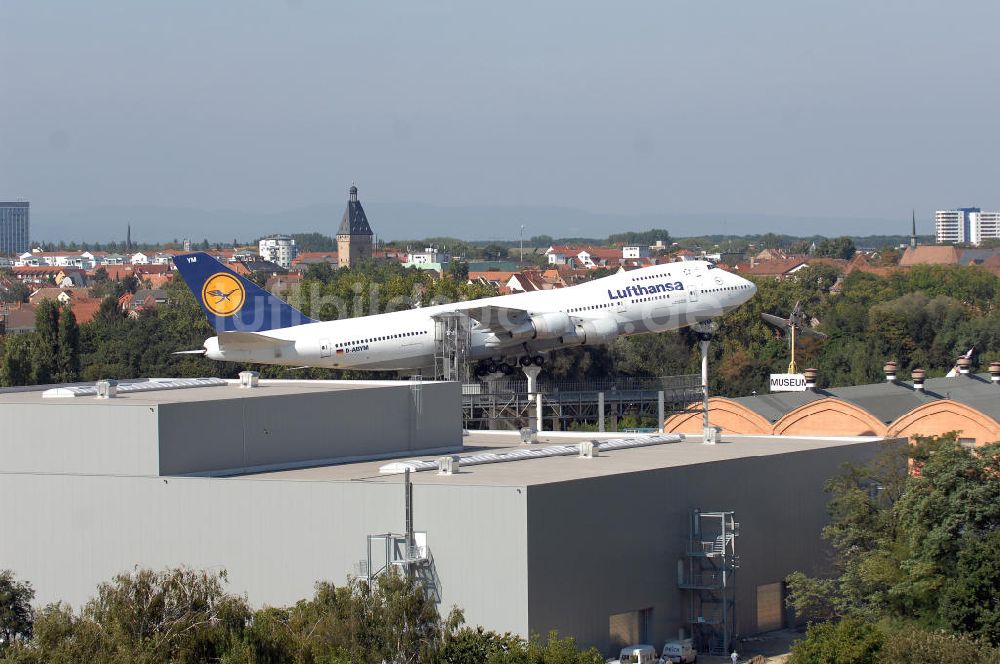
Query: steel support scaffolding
[(452, 346), (502, 403), (708, 575)]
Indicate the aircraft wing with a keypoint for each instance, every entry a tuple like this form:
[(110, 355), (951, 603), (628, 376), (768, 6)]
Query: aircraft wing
[(809, 332), (776, 321), (496, 319)]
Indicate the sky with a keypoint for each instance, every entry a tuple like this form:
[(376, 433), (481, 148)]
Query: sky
[(787, 108)]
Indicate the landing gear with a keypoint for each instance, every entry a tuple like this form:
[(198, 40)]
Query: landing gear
[(487, 367)]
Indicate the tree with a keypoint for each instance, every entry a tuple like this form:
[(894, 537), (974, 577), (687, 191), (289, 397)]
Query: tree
[(16, 366), (68, 358), (847, 642), (841, 247), (14, 290), (16, 614), (46, 350), (969, 601), (177, 615)]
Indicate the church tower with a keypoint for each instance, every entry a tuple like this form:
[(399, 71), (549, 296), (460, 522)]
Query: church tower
[(354, 237), (913, 230)]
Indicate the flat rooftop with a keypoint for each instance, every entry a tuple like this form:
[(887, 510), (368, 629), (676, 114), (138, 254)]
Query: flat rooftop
[(549, 470), (155, 391)]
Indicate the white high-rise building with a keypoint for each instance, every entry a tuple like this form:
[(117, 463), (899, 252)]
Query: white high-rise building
[(966, 226), (279, 249)]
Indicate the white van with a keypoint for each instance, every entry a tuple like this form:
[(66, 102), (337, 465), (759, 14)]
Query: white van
[(637, 655), (681, 652)]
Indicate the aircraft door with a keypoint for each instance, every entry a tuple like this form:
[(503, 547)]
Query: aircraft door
[(693, 291), (324, 348)]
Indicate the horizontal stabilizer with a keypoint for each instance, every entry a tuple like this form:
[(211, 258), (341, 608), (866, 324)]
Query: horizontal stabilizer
[(243, 340), (200, 351)]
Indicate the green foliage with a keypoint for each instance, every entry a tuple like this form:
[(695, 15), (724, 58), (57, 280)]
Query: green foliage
[(45, 358), (969, 602), (49, 354), (176, 615), (841, 247), (908, 645), (919, 549), (645, 238), (67, 369), (314, 242), (16, 614), (16, 365), (811, 598), (13, 290), (185, 616), (847, 642)]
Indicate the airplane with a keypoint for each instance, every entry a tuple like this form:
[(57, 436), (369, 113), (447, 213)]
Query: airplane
[(797, 322), (505, 331)]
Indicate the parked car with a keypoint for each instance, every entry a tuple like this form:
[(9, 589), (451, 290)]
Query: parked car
[(640, 654), (681, 652)]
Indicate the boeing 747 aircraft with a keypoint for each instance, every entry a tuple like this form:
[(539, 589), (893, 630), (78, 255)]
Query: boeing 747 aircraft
[(254, 326)]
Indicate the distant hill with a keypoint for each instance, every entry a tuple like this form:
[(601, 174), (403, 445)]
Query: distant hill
[(408, 220)]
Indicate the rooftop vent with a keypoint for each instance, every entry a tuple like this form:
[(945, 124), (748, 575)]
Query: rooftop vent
[(448, 465), (918, 376), (107, 389), (995, 372), (249, 379), (964, 364), (890, 371)]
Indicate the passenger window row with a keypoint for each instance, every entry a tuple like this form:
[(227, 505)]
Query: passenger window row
[(382, 338)]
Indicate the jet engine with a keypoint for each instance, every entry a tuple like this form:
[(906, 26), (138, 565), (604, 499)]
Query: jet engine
[(543, 326), (594, 331)]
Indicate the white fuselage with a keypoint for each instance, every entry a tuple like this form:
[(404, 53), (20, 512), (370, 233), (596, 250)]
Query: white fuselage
[(652, 299)]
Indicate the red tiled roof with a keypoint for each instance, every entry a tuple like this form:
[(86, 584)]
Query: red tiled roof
[(85, 309), (929, 255), (773, 268)]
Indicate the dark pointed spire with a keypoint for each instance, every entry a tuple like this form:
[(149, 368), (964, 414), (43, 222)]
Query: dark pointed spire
[(354, 222), (128, 238), (913, 231)]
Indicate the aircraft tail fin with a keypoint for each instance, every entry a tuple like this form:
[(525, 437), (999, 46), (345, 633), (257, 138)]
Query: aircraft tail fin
[(234, 303)]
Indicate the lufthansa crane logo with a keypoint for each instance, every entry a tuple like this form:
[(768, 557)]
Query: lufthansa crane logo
[(223, 294)]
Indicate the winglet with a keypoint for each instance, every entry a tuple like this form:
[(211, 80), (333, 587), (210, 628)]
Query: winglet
[(232, 302)]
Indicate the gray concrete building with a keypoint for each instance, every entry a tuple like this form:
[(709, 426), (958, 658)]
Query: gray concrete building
[(282, 485)]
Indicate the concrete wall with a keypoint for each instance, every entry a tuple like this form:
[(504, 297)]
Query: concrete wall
[(276, 538), (103, 438), (610, 545), (125, 437), (284, 430)]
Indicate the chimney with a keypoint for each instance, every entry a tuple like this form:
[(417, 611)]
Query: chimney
[(964, 364), (918, 376), (995, 372), (810, 376), (890, 371)]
